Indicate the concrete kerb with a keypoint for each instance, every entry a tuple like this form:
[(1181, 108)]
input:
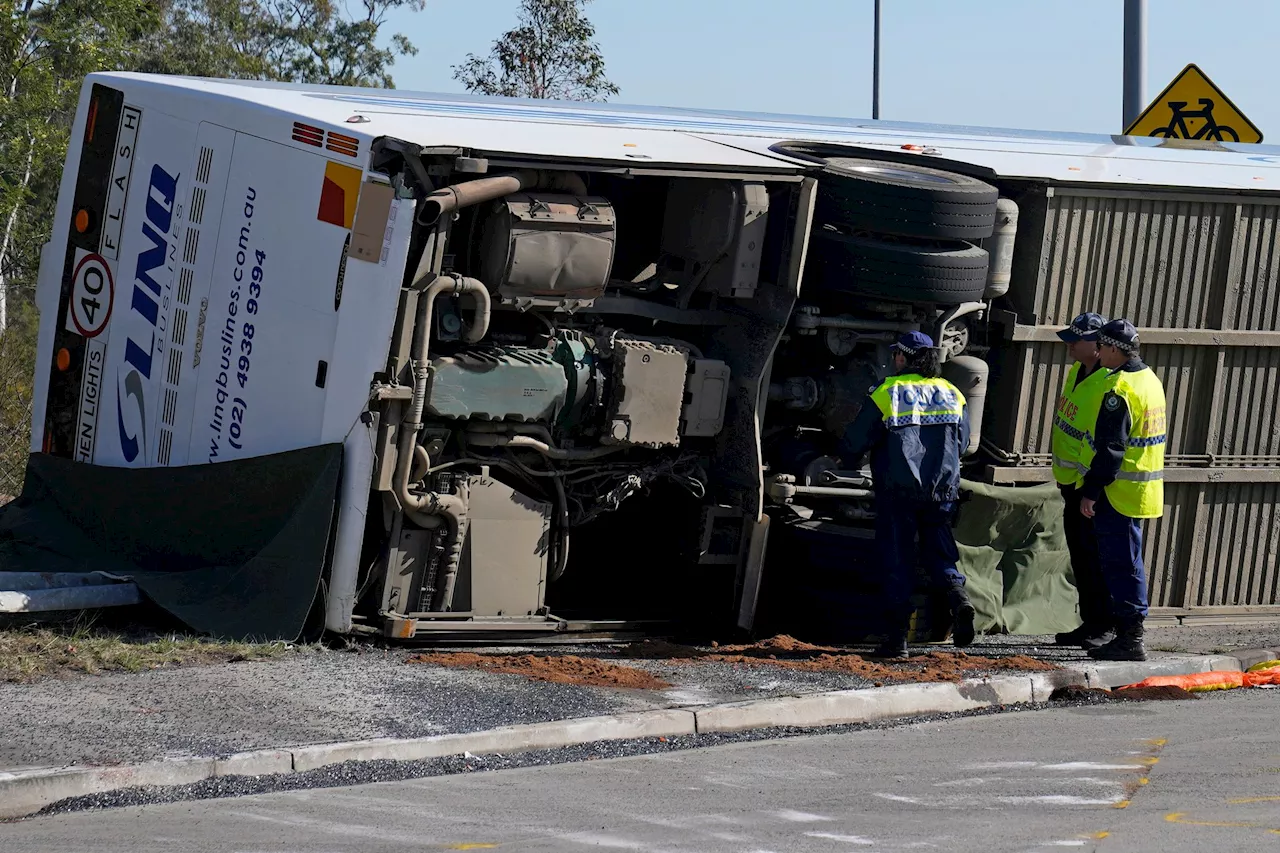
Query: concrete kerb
[(1118, 674), (507, 739), (24, 793), (861, 706)]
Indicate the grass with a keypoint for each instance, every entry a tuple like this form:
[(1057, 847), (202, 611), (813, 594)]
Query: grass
[(31, 652)]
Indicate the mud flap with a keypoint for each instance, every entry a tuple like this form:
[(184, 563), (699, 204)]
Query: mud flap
[(753, 573), (234, 549)]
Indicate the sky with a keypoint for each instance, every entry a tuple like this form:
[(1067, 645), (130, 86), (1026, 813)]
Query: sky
[(1033, 64)]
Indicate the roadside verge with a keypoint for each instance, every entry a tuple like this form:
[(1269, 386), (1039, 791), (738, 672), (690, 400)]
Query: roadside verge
[(25, 792)]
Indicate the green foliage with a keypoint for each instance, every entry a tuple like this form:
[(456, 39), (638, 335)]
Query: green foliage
[(300, 41), (551, 53), (47, 47), (17, 357), (312, 43)]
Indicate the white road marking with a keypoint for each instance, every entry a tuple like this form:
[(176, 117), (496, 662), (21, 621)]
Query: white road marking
[(1085, 765), (847, 839), (1003, 765), (801, 817), (610, 841), (1059, 800), (970, 783)]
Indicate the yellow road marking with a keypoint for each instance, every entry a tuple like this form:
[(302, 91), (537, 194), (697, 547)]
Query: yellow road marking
[(1247, 800), (1177, 817), (470, 846)]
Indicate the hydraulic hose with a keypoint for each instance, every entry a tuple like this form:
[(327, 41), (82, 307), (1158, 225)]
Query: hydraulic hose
[(431, 510), (530, 443)]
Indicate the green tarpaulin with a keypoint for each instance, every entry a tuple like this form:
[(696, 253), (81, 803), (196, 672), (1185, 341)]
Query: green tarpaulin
[(1014, 556), (234, 549), (823, 578)]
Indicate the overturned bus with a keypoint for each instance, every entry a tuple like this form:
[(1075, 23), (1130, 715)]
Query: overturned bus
[(442, 366)]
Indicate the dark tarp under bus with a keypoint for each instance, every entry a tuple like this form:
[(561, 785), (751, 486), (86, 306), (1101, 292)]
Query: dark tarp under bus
[(234, 549)]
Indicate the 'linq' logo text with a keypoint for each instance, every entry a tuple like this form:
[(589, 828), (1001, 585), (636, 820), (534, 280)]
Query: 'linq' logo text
[(140, 349)]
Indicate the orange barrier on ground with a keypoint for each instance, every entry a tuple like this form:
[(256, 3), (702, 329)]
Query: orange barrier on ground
[(1262, 674), (1197, 682), (1257, 679)]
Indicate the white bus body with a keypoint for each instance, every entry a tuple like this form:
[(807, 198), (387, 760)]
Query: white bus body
[(230, 263)]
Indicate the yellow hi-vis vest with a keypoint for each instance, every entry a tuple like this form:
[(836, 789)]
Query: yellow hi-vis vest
[(1076, 403), (911, 400), (1138, 490)]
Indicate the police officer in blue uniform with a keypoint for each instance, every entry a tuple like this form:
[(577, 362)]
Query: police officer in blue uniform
[(1082, 393), (1123, 455), (915, 425)]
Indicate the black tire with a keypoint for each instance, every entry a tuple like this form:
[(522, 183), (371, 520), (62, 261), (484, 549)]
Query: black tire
[(941, 273), (904, 199)]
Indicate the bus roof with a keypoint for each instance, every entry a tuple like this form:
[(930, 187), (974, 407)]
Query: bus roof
[(642, 135)]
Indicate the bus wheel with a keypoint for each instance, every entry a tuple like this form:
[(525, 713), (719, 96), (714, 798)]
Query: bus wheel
[(940, 272), (904, 199)]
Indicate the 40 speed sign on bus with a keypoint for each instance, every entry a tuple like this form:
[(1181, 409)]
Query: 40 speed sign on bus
[(92, 294)]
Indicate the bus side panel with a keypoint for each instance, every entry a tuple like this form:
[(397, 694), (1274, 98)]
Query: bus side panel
[(370, 297), (116, 260), (201, 214), (268, 327)]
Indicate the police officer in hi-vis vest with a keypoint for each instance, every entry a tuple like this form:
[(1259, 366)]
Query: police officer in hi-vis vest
[(1123, 454), (1081, 396), (915, 424)]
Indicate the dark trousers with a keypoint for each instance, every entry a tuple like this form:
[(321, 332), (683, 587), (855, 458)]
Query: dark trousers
[(899, 524), (1120, 554), (1082, 543)]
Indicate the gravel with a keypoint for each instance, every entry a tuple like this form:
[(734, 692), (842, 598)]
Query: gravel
[(361, 773), (1196, 639), (321, 696), (366, 772)]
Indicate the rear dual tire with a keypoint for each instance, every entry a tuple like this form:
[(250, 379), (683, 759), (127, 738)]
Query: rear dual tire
[(905, 200), (941, 273), (898, 231)]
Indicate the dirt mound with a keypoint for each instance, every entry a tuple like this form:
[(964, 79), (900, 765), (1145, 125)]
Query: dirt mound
[(774, 647), (1098, 696), (790, 653), (560, 669), (1167, 691), (782, 651)]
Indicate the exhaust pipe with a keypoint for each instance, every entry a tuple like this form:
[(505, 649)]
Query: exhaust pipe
[(469, 193)]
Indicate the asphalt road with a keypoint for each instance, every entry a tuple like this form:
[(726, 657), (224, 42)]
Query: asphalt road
[(1158, 776)]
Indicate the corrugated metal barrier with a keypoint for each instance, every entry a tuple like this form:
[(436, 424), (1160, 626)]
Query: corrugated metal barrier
[(1199, 274)]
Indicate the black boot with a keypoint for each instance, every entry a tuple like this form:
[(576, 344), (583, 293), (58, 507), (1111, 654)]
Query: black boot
[(893, 647), (1086, 637), (1126, 646), (962, 616), (894, 644)]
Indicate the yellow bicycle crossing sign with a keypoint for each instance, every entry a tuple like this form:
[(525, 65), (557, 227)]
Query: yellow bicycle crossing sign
[(1192, 107)]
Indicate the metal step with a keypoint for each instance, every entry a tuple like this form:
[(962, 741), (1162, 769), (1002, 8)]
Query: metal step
[(37, 592)]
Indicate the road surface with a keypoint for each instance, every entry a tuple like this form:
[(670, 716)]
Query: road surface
[(1157, 776)]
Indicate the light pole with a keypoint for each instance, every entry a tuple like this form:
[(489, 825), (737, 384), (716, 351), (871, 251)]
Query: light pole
[(1135, 58), (875, 68)]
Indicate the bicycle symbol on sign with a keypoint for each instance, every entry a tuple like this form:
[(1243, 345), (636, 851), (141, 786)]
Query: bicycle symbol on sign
[(1177, 127)]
